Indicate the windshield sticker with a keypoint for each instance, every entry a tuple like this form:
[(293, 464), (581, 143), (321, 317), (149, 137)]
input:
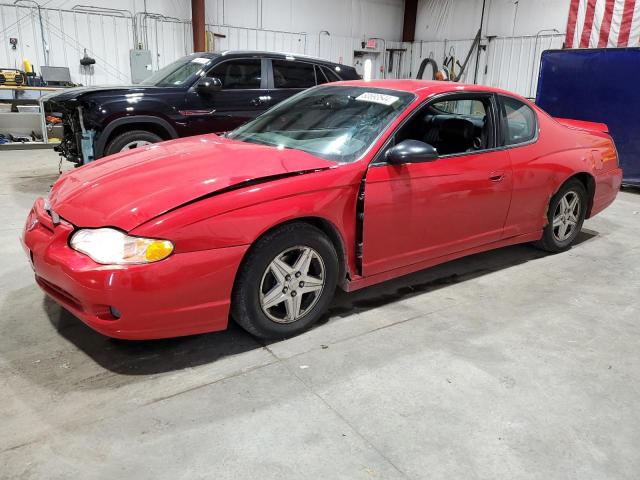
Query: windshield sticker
[(200, 60), (377, 98)]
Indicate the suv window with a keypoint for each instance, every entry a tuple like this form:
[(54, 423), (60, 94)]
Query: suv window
[(330, 74), (320, 77), (238, 74), (451, 126), (292, 74), (178, 72), (520, 120)]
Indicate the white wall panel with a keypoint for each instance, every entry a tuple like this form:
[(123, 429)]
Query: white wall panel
[(507, 18), (514, 63), (278, 15), (342, 18), (281, 25), (447, 19), (237, 38), (347, 18), (439, 50), (243, 13), (511, 63), (167, 39), (106, 38), (18, 22)]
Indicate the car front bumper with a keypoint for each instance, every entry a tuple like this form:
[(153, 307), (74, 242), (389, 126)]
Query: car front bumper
[(185, 294)]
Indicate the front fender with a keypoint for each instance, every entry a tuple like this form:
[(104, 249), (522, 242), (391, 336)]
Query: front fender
[(101, 142), (242, 216)]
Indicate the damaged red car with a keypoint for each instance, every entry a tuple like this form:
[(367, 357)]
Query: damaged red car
[(344, 185)]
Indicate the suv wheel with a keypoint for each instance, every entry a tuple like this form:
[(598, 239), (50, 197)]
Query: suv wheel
[(130, 140)]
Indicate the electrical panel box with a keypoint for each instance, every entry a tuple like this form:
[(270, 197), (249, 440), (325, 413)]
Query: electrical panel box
[(140, 61)]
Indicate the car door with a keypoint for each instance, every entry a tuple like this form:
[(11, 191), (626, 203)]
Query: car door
[(420, 211), (243, 96), (290, 77), (531, 186)]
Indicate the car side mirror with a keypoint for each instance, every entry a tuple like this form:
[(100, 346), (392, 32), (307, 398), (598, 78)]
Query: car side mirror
[(209, 85), (411, 151)]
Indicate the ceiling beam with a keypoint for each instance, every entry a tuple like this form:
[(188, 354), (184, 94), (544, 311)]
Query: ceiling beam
[(409, 24)]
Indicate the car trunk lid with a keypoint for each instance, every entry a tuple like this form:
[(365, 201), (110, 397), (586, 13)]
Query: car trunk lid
[(583, 125)]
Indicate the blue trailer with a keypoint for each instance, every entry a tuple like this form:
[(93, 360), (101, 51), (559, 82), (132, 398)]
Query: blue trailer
[(597, 85)]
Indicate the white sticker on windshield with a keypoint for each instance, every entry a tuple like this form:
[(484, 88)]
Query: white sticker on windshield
[(201, 60), (377, 98)]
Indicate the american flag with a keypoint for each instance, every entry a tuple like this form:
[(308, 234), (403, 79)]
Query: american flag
[(603, 23)]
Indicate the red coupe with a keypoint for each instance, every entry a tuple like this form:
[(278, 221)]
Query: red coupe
[(347, 185)]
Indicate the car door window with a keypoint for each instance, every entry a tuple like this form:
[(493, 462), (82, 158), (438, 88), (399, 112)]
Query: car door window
[(520, 121), (452, 126), (292, 74), (238, 74)]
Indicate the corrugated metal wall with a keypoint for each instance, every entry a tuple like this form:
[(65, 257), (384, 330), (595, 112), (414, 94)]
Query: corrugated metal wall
[(511, 63), (107, 38), (508, 62), (514, 63)]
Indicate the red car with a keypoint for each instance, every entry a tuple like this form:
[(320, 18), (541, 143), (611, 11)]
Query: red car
[(347, 185)]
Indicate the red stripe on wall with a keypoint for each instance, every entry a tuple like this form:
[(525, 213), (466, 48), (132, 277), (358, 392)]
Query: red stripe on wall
[(625, 25), (605, 27), (588, 24), (571, 23)]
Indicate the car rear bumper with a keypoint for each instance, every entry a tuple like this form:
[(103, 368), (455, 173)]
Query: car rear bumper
[(607, 187), (185, 294)]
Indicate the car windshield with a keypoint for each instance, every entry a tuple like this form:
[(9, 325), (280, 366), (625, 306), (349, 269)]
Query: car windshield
[(332, 122), (178, 72)]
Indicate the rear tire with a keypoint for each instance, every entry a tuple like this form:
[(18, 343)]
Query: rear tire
[(130, 140), (567, 210), (286, 282)]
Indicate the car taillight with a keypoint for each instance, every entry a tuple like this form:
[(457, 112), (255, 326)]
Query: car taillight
[(610, 156)]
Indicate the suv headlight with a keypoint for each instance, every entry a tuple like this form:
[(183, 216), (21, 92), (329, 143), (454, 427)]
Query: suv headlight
[(109, 246)]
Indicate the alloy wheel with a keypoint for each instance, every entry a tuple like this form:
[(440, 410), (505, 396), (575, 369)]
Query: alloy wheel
[(292, 284), (566, 216)]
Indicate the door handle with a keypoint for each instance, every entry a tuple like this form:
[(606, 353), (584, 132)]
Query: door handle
[(497, 176), (261, 100)]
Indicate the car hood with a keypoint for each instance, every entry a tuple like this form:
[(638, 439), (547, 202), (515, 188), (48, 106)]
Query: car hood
[(80, 93), (128, 189)]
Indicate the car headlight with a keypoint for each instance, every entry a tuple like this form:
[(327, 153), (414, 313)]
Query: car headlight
[(113, 247)]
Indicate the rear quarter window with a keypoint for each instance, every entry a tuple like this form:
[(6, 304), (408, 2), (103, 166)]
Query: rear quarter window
[(520, 121), (330, 74)]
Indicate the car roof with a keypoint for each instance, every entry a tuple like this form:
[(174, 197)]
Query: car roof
[(424, 88), (264, 53)]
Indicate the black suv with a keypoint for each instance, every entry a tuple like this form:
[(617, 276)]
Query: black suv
[(199, 93)]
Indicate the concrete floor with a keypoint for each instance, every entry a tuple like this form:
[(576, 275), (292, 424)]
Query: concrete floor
[(512, 364)]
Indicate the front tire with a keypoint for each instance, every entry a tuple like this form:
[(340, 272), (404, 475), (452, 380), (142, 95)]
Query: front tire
[(566, 214), (286, 281), (130, 140)]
